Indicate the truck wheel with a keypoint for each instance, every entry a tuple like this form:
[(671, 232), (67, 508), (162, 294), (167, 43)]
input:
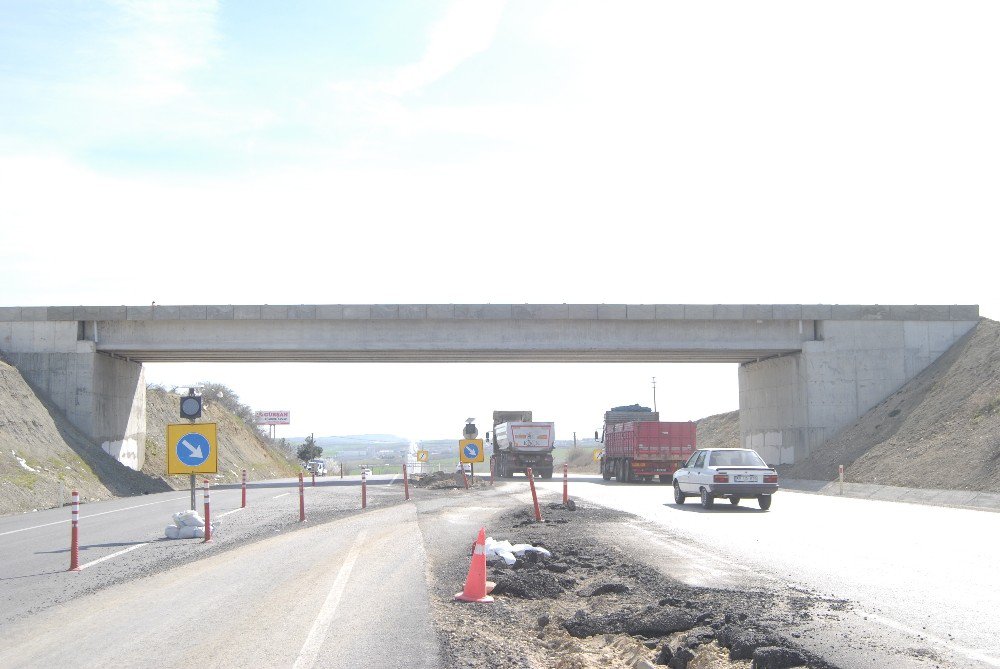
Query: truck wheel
[(605, 472), (546, 473), (764, 502), (627, 467), (707, 500), (678, 495), (665, 478)]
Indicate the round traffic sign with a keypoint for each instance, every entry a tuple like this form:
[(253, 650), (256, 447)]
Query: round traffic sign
[(423, 456), (193, 449), (597, 454), (471, 451)]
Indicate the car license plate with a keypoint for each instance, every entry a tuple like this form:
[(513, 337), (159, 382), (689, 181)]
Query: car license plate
[(745, 478)]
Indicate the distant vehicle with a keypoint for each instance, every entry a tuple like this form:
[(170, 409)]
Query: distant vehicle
[(637, 446), (466, 466), (317, 467), (519, 443), (732, 473)]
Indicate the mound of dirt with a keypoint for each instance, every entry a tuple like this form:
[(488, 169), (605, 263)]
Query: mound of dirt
[(445, 480), (240, 447), (719, 431), (590, 605), (43, 457), (940, 430)]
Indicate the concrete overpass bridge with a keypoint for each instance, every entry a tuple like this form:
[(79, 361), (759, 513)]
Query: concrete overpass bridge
[(806, 371)]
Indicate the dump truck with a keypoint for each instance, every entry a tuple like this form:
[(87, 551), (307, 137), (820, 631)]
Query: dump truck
[(518, 443), (638, 446)]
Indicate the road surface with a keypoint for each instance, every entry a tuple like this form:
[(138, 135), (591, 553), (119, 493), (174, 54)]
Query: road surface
[(921, 581)]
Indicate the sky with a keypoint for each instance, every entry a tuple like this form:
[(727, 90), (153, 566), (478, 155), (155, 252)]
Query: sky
[(532, 151)]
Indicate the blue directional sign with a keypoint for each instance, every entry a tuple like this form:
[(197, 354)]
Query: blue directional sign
[(193, 449), (470, 450)]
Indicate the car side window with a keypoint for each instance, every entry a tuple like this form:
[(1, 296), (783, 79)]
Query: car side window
[(700, 461), (690, 463)]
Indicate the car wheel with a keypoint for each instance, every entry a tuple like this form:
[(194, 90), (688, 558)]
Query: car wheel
[(707, 500), (734, 500), (764, 501), (678, 495)]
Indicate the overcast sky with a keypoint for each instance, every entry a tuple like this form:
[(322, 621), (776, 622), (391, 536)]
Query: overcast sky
[(197, 152)]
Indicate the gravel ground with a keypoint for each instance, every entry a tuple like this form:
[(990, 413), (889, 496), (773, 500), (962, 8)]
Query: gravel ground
[(591, 605)]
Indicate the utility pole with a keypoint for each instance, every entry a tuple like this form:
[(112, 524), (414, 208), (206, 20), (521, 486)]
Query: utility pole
[(654, 393), (574, 440)]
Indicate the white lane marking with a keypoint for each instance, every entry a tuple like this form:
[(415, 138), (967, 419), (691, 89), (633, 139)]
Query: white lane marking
[(281, 495), (980, 656), (222, 515), (91, 515), (314, 642), (113, 555)]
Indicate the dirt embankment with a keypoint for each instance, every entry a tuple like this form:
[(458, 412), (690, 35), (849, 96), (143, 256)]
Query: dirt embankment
[(719, 431), (940, 430), (240, 447), (43, 457)]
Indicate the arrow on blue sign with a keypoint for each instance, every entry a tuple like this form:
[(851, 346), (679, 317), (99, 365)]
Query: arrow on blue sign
[(193, 449), (471, 450)]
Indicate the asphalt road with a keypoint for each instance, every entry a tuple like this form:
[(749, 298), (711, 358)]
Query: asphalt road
[(921, 583)]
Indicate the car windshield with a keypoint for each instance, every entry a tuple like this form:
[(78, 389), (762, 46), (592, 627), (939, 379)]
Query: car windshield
[(735, 459)]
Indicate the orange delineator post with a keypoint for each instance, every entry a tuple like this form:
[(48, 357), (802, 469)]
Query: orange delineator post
[(74, 546), (406, 483), (534, 495), (565, 483), (208, 516), (302, 499), (244, 502), (477, 588), (364, 491)]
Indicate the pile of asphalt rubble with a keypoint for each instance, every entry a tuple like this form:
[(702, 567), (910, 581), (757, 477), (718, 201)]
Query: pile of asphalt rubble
[(445, 480), (590, 605)]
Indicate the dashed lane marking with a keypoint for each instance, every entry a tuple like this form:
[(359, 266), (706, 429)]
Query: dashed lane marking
[(972, 653), (281, 495)]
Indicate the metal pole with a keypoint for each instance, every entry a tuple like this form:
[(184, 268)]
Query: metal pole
[(192, 492), (565, 483), (654, 393), (841, 479), (406, 482), (364, 490), (243, 505)]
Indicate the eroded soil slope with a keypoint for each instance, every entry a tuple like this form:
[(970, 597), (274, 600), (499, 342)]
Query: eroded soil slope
[(719, 431), (43, 457), (940, 430)]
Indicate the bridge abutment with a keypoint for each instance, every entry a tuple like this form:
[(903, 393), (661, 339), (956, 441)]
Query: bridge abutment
[(793, 403), (102, 396)]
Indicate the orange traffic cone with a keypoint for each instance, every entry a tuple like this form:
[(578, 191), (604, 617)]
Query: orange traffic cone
[(477, 588)]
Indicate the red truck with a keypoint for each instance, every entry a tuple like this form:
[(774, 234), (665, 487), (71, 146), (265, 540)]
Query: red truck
[(639, 447)]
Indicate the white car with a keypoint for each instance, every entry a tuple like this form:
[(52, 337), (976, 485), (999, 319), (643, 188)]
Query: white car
[(733, 473)]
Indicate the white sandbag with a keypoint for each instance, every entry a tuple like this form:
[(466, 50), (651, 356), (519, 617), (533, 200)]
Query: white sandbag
[(186, 532), (188, 519), (500, 549), (520, 549), (171, 531)]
